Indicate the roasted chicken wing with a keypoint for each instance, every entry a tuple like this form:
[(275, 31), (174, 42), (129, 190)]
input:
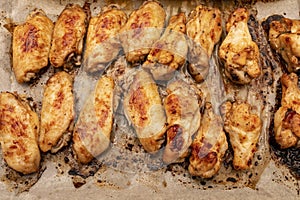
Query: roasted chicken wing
[(287, 117), (144, 109), (204, 31), (19, 128), (102, 44), (57, 113), (67, 39), (94, 125), (183, 118), (31, 45), (284, 37), (209, 145), (169, 52), (244, 128), (238, 52), (142, 29)]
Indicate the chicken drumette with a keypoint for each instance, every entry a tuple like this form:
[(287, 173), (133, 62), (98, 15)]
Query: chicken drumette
[(102, 44), (57, 113), (204, 31), (284, 37), (31, 45), (169, 52), (91, 135), (287, 117), (209, 145), (143, 108), (244, 128), (142, 30), (19, 129), (183, 118), (238, 52)]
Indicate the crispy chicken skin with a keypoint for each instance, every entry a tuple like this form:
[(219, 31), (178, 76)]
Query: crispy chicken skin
[(170, 51), (284, 37), (142, 29), (238, 52), (31, 45), (102, 44), (68, 34), (287, 117), (204, 31), (94, 125), (143, 108), (183, 118), (19, 127), (244, 129), (209, 145), (57, 113)]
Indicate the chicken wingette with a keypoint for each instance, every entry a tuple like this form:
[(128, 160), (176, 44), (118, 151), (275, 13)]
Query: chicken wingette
[(287, 117), (209, 145), (143, 108), (238, 52), (142, 29), (170, 51), (94, 125), (204, 31), (102, 44), (183, 119), (284, 37), (31, 45), (244, 128), (19, 128), (57, 113), (68, 35)]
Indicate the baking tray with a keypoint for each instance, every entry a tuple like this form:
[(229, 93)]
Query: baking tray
[(274, 182)]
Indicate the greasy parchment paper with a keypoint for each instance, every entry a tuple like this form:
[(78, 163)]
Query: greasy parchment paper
[(274, 183)]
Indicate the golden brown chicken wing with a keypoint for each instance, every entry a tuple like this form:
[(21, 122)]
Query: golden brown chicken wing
[(204, 31), (31, 45), (183, 118), (287, 117), (284, 37), (169, 52), (143, 108), (57, 113), (68, 34), (102, 44), (244, 129), (209, 145), (94, 125), (19, 128), (142, 29), (239, 53)]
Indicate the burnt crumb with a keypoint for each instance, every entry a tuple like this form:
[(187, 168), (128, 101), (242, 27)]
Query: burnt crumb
[(231, 179), (66, 159), (129, 147)]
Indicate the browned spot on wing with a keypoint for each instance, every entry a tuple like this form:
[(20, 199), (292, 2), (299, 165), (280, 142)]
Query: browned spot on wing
[(30, 39), (139, 103), (174, 135)]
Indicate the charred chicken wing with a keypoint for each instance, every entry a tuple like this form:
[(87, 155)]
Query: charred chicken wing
[(31, 45), (142, 29), (143, 108), (19, 128), (94, 125), (239, 53), (284, 37), (57, 113), (68, 34), (170, 51), (209, 145), (244, 129), (102, 44), (287, 117), (183, 118), (204, 31)]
